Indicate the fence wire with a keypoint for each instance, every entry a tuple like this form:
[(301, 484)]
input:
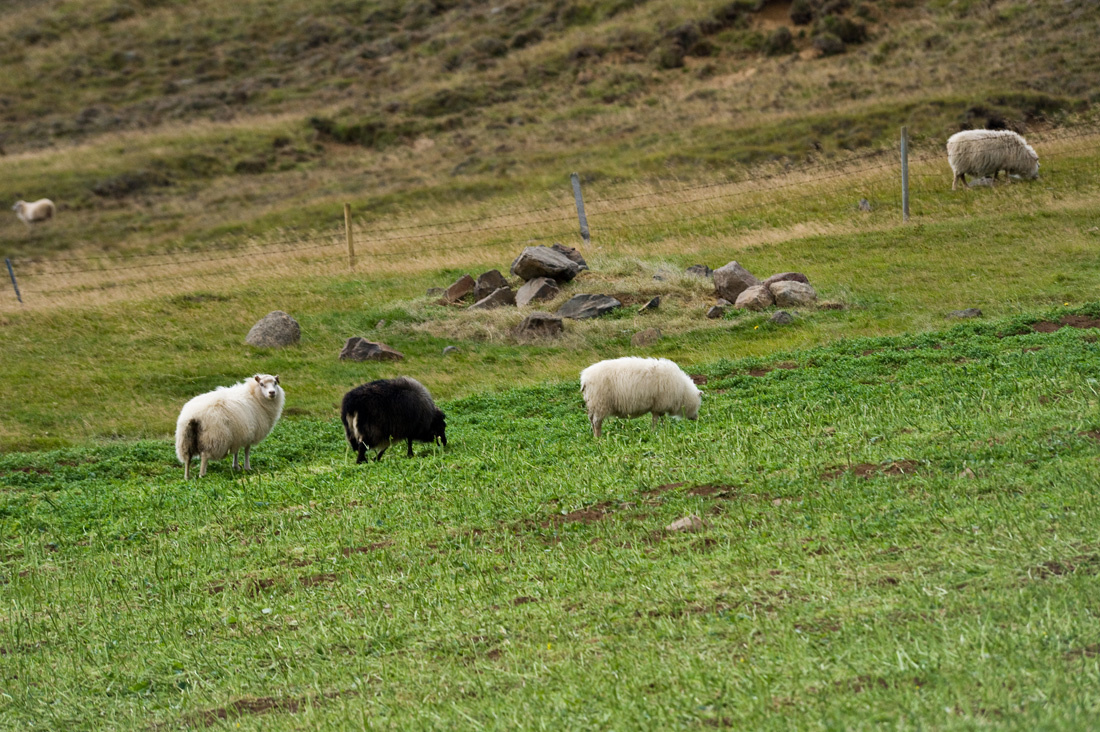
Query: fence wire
[(612, 218)]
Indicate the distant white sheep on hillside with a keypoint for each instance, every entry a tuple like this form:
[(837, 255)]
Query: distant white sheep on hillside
[(631, 386), (222, 421), (982, 153), (31, 213)]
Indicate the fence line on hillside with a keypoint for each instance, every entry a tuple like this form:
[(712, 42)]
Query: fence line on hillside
[(321, 251)]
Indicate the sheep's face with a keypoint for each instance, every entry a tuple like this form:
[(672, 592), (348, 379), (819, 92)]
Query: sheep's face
[(691, 409), (269, 385), (439, 428)]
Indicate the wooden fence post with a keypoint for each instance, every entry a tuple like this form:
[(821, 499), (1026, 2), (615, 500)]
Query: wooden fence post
[(11, 273), (580, 208), (904, 174), (351, 241)]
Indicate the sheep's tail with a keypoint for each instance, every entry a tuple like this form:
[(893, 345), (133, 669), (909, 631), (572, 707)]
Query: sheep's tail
[(190, 445)]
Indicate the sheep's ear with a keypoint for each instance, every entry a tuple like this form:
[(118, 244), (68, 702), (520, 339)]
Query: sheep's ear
[(276, 378), (257, 378)]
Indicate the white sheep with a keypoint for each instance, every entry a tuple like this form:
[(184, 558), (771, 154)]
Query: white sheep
[(224, 420), (31, 213), (631, 386), (987, 152)]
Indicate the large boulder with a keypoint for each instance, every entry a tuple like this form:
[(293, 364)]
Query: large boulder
[(360, 349), (786, 277), (500, 296), (646, 337), (757, 297), (541, 325), (540, 288), (488, 283), (544, 262), (274, 330), (581, 307), (572, 253), (462, 287), (733, 279), (789, 294)]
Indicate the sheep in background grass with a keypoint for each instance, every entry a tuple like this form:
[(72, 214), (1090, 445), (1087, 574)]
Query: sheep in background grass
[(222, 421), (631, 386), (377, 414), (31, 213), (983, 153)]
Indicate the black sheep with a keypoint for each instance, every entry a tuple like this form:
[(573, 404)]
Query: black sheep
[(382, 412)]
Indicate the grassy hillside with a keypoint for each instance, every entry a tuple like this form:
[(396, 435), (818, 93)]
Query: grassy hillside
[(898, 531), (153, 123)]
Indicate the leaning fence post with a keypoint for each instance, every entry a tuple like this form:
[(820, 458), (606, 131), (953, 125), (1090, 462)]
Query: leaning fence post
[(11, 273), (580, 207), (904, 174), (351, 242)]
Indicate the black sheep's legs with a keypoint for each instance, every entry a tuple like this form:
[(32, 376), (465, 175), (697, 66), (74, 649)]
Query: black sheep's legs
[(410, 447), (379, 455), (362, 457)]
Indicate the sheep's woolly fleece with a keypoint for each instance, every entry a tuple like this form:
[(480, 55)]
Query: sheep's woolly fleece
[(982, 153), (631, 386), (223, 421)]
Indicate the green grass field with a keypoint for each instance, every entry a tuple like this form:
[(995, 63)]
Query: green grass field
[(899, 531)]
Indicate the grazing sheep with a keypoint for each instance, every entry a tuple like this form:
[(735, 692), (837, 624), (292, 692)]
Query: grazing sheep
[(983, 153), (631, 386), (222, 421), (382, 412), (31, 213)]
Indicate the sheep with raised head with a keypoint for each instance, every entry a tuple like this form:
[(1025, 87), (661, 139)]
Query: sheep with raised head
[(379, 413), (630, 387), (982, 153), (34, 212), (222, 421)]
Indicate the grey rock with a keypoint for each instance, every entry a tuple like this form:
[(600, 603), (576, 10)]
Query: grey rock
[(435, 291), (716, 312), (651, 305), (733, 279), (757, 297), (781, 317), (660, 277), (449, 350), (360, 349), (789, 294), (786, 277), (968, 313), (274, 330), (688, 524), (723, 303), (380, 324), (700, 270), (544, 262), (500, 297), (541, 325), (540, 288), (572, 253), (864, 204), (488, 283), (462, 287), (580, 307), (646, 337)]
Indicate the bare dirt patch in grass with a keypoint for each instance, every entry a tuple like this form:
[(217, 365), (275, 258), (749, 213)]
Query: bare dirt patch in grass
[(349, 550), (1066, 321), (256, 705), (1089, 651), (869, 470)]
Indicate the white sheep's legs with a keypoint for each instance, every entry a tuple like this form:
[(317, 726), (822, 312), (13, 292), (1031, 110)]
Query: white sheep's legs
[(596, 423), (959, 177), (247, 462), (202, 466), (187, 469), (236, 465)]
